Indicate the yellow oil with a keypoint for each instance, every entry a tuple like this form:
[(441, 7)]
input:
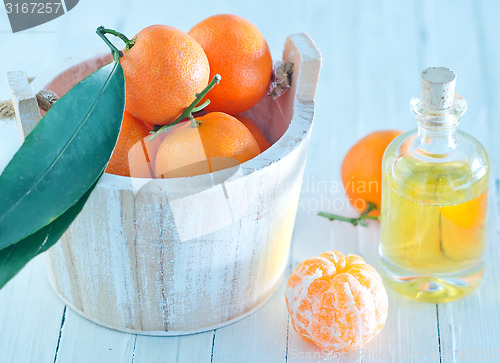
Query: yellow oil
[(433, 229)]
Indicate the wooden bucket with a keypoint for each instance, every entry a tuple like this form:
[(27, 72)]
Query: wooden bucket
[(185, 255)]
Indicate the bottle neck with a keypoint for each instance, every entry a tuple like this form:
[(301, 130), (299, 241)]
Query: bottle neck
[(437, 140), (437, 129)]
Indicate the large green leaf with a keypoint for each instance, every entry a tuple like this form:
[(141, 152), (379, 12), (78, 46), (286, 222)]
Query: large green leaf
[(63, 156), (16, 256)]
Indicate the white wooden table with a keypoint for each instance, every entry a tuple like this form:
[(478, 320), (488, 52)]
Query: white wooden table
[(373, 52)]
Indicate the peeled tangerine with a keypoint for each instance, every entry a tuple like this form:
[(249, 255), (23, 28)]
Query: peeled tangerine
[(338, 302)]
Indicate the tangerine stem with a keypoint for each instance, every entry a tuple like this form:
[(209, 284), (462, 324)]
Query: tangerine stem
[(371, 206), (188, 112), (201, 107), (361, 220), (193, 121), (128, 43), (117, 54)]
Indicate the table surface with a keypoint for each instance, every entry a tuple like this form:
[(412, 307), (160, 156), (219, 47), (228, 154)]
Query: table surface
[(373, 53)]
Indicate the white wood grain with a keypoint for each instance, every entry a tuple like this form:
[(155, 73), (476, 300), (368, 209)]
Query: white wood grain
[(260, 342), (189, 348), (24, 102), (30, 317), (99, 345)]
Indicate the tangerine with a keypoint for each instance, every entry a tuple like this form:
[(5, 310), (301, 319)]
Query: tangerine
[(219, 142), (133, 132), (361, 170), (337, 302), (164, 69), (254, 129), (236, 50)]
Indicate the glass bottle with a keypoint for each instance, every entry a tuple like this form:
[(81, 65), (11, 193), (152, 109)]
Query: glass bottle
[(434, 199)]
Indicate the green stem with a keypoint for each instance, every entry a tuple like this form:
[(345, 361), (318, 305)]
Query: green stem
[(117, 54), (370, 217), (188, 112), (371, 206), (361, 220), (201, 107), (122, 36)]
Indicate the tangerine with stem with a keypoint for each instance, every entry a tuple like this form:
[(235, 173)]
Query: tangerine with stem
[(164, 69), (208, 143)]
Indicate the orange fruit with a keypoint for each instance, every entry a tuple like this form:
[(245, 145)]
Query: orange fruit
[(254, 129), (133, 132), (338, 302), (238, 52), (361, 170), (221, 141), (164, 70)]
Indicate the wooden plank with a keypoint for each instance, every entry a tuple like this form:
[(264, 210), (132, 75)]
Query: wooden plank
[(188, 348), (84, 341), (24, 102), (261, 337), (30, 317)]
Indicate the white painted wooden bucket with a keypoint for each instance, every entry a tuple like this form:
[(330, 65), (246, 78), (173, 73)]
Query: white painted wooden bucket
[(184, 255)]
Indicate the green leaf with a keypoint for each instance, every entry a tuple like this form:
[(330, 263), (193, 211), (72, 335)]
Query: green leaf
[(16, 256), (63, 156)]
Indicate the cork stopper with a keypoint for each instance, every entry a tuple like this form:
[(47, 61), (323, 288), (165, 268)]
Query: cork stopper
[(438, 88)]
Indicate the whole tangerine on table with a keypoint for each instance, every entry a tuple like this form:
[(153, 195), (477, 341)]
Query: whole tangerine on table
[(361, 170), (211, 142), (164, 70), (236, 50), (337, 302)]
